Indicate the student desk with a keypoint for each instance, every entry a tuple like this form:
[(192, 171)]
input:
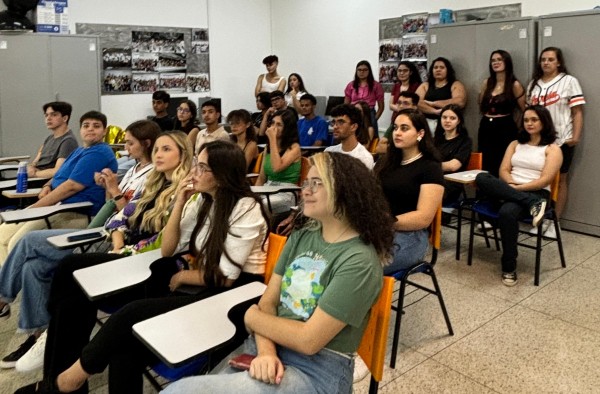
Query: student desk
[(464, 177), (274, 189), (61, 242), (179, 335), (12, 194), (17, 159), (113, 276), (29, 214)]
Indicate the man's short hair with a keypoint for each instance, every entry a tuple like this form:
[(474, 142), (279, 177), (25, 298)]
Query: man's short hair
[(270, 59), (411, 95), (95, 115), (212, 103), (276, 94), (162, 96), (350, 111), (65, 109), (308, 96)]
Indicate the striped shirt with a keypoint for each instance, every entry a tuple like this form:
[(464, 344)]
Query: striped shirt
[(558, 96)]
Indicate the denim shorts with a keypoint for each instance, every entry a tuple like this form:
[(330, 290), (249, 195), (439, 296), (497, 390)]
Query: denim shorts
[(409, 249)]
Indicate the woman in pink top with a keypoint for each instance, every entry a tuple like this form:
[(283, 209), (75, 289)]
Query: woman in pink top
[(364, 87)]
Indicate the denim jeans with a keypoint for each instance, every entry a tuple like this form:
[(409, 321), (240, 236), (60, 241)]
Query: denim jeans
[(324, 372), (30, 267), (514, 205), (409, 248)]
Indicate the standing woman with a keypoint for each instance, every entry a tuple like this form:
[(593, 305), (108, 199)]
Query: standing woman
[(561, 94), (441, 89), (271, 81), (294, 91), (410, 174), (454, 144), (243, 134), (186, 121), (500, 96), (281, 163), (529, 166), (364, 87), (409, 80)]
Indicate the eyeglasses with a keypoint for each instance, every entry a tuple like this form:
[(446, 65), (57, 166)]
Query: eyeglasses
[(403, 70), (337, 122), (183, 110), (200, 168), (312, 185)]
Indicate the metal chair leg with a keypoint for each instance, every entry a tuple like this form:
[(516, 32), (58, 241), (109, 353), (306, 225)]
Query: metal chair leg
[(441, 300), (399, 307)]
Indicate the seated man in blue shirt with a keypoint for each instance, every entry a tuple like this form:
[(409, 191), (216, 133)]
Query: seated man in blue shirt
[(313, 130), (73, 182)]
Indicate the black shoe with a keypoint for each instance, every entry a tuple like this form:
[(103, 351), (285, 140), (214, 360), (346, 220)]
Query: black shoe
[(537, 212), (41, 387), (509, 278), (10, 360)]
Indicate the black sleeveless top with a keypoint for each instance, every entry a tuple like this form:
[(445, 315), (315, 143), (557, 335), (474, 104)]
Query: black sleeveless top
[(498, 105), (435, 94)]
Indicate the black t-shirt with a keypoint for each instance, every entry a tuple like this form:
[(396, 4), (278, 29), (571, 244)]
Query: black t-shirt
[(166, 123), (401, 185), (458, 148)]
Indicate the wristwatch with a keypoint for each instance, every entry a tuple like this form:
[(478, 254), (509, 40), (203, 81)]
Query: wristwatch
[(118, 197)]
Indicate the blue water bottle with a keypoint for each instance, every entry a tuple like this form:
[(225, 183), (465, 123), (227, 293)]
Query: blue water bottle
[(22, 177)]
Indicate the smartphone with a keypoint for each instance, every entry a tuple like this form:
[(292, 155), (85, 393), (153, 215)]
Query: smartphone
[(242, 362), (83, 237)]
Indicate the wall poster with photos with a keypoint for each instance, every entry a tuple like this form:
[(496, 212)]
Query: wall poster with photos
[(143, 59)]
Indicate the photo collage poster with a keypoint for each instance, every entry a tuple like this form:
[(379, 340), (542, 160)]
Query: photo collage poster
[(142, 59)]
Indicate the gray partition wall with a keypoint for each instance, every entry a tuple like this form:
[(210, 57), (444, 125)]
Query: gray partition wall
[(39, 68), (468, 47), (576, 34)]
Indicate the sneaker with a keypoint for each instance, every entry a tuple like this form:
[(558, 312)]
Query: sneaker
[(509, 278), (537, 212), (544, 226), (551, 231), (360, 370), (5, 312), (10, 360), (486, 225), (34, 358)]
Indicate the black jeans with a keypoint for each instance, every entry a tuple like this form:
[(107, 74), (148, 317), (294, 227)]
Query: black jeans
[(514, 205)]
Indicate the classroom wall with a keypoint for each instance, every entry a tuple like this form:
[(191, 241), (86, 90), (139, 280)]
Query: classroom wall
[(323, 40)]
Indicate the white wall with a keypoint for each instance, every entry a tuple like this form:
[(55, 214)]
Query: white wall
[(323, 40), (239, 33)]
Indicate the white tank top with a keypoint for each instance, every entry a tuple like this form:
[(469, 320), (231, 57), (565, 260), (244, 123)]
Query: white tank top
[(527, 163), (267, 86)]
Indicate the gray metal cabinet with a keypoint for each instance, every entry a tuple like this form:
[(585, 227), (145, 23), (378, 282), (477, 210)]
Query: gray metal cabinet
[(36, 69), (469, 45), (576, 34)]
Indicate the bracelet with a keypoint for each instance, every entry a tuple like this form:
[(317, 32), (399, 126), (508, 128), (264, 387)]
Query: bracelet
[(118, 197)]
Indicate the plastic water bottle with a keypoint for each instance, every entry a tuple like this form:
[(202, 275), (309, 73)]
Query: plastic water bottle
[(22, 177)]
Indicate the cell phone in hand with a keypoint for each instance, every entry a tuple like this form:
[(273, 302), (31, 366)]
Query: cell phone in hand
[(242, 362), (83, 237)]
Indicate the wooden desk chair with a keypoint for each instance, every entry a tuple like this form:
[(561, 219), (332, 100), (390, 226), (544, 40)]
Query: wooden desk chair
[(373, 145), (253, 176), (373, 344), (423, 267), (276, 244), (485, 210), (304, 167)]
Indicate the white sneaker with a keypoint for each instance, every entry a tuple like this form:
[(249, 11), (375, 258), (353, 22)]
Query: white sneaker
[(487, 225), (545, 225), (34, 358), (360, 370), (551, 231)]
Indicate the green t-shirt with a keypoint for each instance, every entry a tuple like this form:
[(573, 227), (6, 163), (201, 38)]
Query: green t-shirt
[(344, 279)]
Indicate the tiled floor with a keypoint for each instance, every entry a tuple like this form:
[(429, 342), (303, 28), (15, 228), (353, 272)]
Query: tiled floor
[(524, 339)]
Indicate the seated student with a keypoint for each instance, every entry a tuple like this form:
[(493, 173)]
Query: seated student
[(56, 147), (263, 103), (406, 100), (281, 162), (411, 176), (347, 124), (454, 144), (73, 182), (211, 116), (187, 121), (278, 103), (225, 228), (243, 134), (368, 133), (160, 103), (31, 264), (305, 331), (527, 170), (312, 129)]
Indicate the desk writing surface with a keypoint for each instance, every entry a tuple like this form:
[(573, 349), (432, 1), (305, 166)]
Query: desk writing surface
[(9, 159), (6, 167), (273, 189), (463, 176), (61, 242), (112, 276), (12, 183), (183, 333), (24, 215), (29, 193)]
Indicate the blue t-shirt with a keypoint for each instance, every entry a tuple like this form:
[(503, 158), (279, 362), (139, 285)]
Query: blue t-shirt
[(312, 130), (80, 167)]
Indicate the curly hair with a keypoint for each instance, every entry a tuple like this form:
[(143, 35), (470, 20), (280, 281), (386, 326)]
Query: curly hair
[(159, 190), (355, 195), (415, 76), (548, 132), (228, 166), (450, 73)]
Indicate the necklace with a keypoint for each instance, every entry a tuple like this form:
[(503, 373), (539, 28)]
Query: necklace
[(337, 239), (414, 158)]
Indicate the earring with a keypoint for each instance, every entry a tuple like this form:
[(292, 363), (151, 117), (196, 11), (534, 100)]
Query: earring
[(419, 138)]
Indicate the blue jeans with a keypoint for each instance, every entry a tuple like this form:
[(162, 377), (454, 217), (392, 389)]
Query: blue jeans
[(324, 372), (30, 267), (409, 249)]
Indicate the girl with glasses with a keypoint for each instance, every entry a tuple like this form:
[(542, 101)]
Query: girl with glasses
[(186, 120), (364, 87)]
